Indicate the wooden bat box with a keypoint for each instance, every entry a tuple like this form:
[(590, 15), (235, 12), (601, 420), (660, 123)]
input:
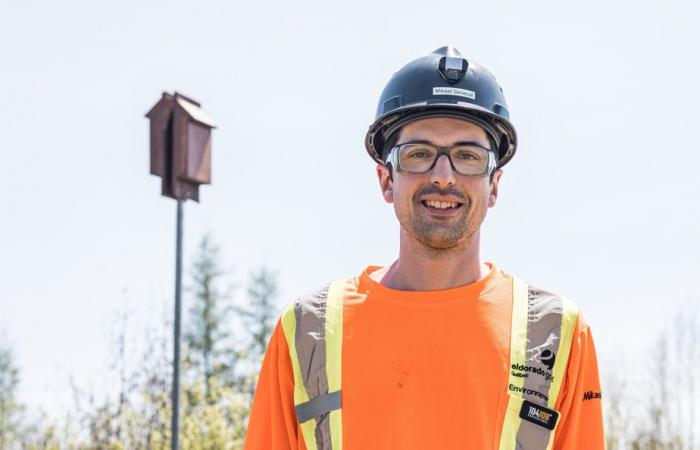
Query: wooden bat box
[(180, 145)]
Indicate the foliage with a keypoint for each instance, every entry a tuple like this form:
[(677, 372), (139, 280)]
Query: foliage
[(260, 314), (214, 404), (663, 416), (10, 410), (211, 352), (143, 422)]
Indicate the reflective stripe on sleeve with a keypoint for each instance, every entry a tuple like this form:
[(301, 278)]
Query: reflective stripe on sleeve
[(313, 328), (320, 405), (541, 332), (289, 325), (568, 325), (518, 345), (334, 352)]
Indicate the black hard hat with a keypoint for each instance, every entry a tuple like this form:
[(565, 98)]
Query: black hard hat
[(442, 84)]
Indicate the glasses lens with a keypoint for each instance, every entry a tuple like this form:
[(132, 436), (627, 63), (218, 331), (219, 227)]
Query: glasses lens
[(416, 158), (470, 160), (466, 159)]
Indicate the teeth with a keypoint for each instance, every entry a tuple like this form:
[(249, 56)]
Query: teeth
[(440, 205)]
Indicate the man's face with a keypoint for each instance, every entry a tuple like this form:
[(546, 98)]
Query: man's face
[(412, 194)]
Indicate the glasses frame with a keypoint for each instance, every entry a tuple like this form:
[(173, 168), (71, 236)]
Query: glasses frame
[(393, 158)]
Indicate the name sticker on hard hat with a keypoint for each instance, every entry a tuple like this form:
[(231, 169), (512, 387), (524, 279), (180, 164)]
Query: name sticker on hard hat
[(454, 91)]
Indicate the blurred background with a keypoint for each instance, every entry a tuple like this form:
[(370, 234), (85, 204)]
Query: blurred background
[(599, 204)]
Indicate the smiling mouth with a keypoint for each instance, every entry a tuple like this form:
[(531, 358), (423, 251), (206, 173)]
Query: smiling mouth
[(440, 205)]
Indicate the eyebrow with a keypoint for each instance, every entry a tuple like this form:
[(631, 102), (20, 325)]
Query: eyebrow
[(423, 141)]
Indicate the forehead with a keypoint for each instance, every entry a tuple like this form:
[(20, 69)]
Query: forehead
[(443, 131)]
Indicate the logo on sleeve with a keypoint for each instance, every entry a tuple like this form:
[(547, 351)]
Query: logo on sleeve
[(590, 395), (548, 358), (539, 415)]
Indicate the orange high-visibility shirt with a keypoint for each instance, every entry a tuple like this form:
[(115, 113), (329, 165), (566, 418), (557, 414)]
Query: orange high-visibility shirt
[(426, 370)]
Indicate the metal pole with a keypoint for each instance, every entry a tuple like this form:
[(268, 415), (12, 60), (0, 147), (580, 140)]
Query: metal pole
[(176, 357)]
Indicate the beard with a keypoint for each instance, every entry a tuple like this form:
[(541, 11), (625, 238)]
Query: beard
[(439, 234)]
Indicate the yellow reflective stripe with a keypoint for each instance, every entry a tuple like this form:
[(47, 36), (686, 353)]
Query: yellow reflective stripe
[(568, 325), (518, 349), (289, 325), (308, 430), (569, 318), (334, 347), (336, 425)]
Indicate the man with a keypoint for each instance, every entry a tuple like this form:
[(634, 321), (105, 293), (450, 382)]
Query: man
[(437, 350)]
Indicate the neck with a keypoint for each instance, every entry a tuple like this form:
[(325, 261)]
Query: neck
[(422, 268)]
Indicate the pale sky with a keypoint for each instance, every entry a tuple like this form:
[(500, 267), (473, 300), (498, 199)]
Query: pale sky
[(599, 204)]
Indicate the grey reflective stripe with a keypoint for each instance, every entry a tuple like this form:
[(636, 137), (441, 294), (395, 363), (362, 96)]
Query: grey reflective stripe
[(320, 405), (310, 341), (544, 319)]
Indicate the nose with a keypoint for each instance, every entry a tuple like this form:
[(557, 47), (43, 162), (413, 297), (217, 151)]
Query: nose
[(442, 174)]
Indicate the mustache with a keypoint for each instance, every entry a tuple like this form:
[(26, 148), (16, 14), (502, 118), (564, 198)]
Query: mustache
[(436, 190)]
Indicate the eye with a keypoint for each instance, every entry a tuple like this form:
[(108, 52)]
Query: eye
[(468, 154), (417, 152)]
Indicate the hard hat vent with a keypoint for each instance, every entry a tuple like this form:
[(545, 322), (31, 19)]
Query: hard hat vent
[(453, 69), (391, 104)]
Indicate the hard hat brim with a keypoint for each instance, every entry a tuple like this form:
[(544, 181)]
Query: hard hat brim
[(375, 138)]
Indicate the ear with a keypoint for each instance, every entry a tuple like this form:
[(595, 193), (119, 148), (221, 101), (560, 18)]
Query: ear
[(494, 187), (385, 183)]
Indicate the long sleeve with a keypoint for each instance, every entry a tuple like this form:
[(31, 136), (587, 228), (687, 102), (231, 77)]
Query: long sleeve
[(581, 426), (272, 423)]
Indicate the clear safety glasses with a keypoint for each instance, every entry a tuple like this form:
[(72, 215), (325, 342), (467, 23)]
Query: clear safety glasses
[(420, 157)]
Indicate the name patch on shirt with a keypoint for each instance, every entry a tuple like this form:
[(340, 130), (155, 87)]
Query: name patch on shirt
[(539, 415)]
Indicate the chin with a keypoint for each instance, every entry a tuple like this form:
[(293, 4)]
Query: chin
[(439, 241), (444, 242)]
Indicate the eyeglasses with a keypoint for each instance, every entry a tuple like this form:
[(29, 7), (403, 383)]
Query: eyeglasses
[(420, 157)]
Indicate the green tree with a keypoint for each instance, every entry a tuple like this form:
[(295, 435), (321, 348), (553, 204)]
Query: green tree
[(260, 315), (10, 409), (208, 339), (258, 319), (137, 415), (215, 404)]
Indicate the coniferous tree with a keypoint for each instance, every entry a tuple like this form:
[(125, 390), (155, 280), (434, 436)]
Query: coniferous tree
[(260, 315), (210, 349), (258, 318)]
